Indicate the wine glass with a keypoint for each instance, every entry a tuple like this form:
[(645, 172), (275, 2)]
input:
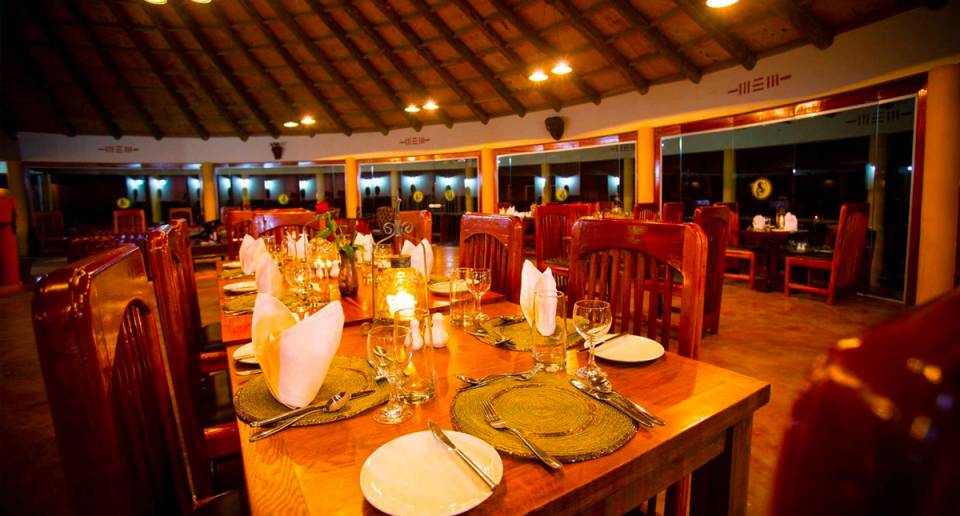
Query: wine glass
[(592, 319), (479, 284), (299, 275), (388, 348)]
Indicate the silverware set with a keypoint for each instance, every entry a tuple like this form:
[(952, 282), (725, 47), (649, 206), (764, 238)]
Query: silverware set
[(480, 382), (620, 402), (496, 339), (495, 421), (287, 419)]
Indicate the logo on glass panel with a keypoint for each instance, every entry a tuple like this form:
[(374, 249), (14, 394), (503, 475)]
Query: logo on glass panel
[(761, 188)]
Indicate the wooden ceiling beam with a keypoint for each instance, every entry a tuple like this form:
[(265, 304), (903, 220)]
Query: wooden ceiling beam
[(730, 43), (140, 42), (325, 63), (542, 45), (657, 39), (806, 23), (600, 43), (395, 61), (294, 65), (424, 52), (471, 13), (225, 70), (41, 83), (76, 73), (364, 63), (194, 72), (464, 51)]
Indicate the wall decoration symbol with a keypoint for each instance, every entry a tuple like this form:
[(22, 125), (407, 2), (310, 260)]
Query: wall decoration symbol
[(118, 149), (283, 199), (418, 196), (562, 194), (764, 82), (761, 188), (123, 203), (449, 194), (414, 140)]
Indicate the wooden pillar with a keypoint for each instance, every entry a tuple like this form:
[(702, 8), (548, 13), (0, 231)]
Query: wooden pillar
[(645, 166), (547, 183), (729, 175), (352, 192), (469, 192), (488, 181), (629, 186), (17, 183), (209, 189), (320, 186), (941, 177), (394, 184)]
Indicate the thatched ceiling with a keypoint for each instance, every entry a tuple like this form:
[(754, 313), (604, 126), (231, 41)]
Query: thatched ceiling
[(244, 67)]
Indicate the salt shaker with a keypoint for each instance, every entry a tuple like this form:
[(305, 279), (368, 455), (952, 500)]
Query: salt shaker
[(440, 336)]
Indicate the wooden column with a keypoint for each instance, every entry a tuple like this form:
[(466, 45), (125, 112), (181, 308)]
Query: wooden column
[(941, 176), (394, 184), (209, 188), (629, 186), (488, 181), (17, 183), (645, 166), (319, 186), (352, 192), (729, 175), (547, 183), (469, 192)]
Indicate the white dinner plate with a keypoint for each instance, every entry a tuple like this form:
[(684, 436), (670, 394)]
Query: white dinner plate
[(240, 287), (245, 350), (630, 349), (442, 288), (416, 474), (233, 264)]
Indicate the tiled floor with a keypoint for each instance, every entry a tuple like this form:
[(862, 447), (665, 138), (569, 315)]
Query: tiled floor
[(766, 336)]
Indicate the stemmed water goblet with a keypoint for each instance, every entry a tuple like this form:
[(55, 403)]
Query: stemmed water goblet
[(388, 350), (479, 284), (592, 319)]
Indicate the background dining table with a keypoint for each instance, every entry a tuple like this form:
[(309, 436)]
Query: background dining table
[(769, 243), (708, 411)]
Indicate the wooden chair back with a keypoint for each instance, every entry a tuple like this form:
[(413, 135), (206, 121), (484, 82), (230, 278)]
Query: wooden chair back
[(632, 265), (504, 205), (551, 225), (715, 223), (384, 215), (48, 224), (278, 220), (181, 213), (422, 223), (580, 209), (494, 242), (848, 249), (646, 211), (237, 224), (734, 239), (129, 221), (103, 365), (672, 212)]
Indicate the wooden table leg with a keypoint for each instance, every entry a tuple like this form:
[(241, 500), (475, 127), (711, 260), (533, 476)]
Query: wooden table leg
[(720, 486)]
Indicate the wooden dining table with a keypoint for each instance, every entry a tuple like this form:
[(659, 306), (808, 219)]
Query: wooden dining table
[(769, 244), (708, 411)]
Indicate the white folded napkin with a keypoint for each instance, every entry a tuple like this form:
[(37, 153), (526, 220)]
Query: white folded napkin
[(298, 246), (250, 250), (269, 278), (419, 254), (759, 222), (366, 241), (790, 222), (295, 356), (532, 281)]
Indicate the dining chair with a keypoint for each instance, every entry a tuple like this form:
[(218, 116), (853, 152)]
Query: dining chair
[(181, 213), (672, 212), (421, 224), (129, 221), (844, 265), (646, 211), (104, 369), (715, 222), (736, 254), (632, 265), (383, 215), (494, 242), (551, 234), (237, 223), (49, 232), (877, 430)]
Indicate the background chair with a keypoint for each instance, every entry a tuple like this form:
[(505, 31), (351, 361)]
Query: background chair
[(848, 251), (237, 223), (422, 223), (672, 212), (129, 221), (551, 229), (715, 223), (494, 242), (736, 254), (275, 221), (181, 213), (646, 211), (50, 234)]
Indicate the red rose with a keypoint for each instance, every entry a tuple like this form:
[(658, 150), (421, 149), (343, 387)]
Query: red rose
[(362, 227), (322, 207)]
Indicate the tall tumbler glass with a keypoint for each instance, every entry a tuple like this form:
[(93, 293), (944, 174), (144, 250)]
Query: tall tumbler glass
[(550, 331), (462, 308), (419, 378)]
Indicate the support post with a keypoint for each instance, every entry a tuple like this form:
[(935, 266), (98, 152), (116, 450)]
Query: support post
[(209, 189), (352, 191), (729, 175), (645, 166), (488, 181)]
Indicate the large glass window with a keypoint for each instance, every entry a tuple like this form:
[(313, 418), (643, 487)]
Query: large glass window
[(281, 187)]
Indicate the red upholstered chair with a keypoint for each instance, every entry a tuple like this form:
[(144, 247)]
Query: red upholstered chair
[(103, 364), (551, 229), (181, 213), (646, 211), (715, 222), (50, 233), (277, 220), (878, 429), (237, 224), (672, 212), (494, 242), (422, 224), (129, 221), (735, 254), (844, 266), (632, 265)]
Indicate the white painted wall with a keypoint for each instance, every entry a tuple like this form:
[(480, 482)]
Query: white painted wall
[(909, 43)]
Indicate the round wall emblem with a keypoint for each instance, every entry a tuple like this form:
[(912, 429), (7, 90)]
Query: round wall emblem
[(761, 188), (418, 196), (449, 195), (283, 199), (123, 203)]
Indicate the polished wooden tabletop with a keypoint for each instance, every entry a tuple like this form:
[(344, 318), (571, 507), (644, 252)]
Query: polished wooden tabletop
[(708, 410)]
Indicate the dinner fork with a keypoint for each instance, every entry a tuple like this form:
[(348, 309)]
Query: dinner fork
[(494, 420)]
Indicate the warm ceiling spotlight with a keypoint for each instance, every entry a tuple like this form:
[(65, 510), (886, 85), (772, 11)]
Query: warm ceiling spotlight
[(720, 3), (307, 120), (156, 2), (202, 1), (291, 123), (412, 108), (430, 105), (562, 68), (538, 76)]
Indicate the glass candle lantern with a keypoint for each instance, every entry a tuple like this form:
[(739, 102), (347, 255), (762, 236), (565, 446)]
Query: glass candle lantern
[(399, 287)]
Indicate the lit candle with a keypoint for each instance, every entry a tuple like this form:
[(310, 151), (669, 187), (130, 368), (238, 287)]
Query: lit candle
[(400, 301)]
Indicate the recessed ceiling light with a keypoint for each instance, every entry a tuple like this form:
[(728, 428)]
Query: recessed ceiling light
[(562, 68), (412, 108), (307, 120), (430, 105), (156, 2), (538, 76), (202, 1), (291, 123), (720, 3)]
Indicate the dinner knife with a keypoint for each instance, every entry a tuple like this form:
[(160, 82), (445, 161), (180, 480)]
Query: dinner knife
[(632, 414), (442, 437), (639, 408)]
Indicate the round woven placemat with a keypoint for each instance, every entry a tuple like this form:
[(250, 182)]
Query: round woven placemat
[(253, 401), (245, 302), (566, 423), (229, 274), (521, 335)]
